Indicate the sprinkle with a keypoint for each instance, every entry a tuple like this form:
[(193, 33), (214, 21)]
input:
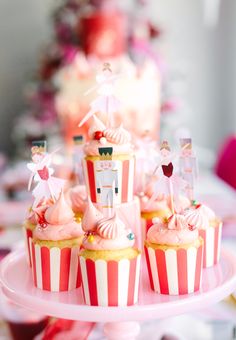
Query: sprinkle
[(130, 236), (103, 140), (194, 202)]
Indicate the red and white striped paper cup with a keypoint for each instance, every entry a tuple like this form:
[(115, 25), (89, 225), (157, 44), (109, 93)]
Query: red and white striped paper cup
[(212, 244), (55, 269), (175, 271), (125, 170), (110, 283), (28, 235)]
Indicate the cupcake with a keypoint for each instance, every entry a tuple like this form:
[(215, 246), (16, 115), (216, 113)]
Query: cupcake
[(30, 224), (109, 152), (77, 198), (173, 252), (210, 229), (55, 245), (110, 264)]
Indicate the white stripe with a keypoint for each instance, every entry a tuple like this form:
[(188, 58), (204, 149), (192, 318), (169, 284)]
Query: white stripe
[(191, 268), (210, 246), (137, 277), (172, 271), (84, 279), (153, 265), (131, 180), (74, 259), (38, 266), (85, 170), (219, 241), (55, 256), (101, 280), (123, 282)]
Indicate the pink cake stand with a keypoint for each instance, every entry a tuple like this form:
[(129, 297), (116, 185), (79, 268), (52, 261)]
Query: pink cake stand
[(120, 322)]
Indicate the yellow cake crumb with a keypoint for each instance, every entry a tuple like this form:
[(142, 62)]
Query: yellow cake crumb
[(59, 244), (155, 246)]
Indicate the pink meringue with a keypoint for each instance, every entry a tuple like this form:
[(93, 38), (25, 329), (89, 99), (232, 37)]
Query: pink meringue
[(91, 217), (110, 228), (60, 212), (117, 135), (177, 222), (78, 198)]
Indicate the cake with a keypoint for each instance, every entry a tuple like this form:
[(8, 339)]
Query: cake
[(210, 229), (55, 245), (174, 252), (110, 264)]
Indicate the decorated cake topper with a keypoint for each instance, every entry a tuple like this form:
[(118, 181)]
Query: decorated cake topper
[(188, 166), (47, 186), (106, 180), (106, 101), (167, 182)]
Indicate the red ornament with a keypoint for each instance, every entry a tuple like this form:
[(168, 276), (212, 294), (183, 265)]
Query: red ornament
[(98, 135), (198, 206)]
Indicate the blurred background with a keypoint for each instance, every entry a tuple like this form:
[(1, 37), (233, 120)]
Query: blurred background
[(196, 41)]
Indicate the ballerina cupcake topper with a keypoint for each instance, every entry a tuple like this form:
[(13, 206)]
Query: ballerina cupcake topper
[(48, 186), (167, 183), (106, 101)]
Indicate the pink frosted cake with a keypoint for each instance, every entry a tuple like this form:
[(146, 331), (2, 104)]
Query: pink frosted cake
[(110, 265), (55, 245), (173, 252), (210, 229)]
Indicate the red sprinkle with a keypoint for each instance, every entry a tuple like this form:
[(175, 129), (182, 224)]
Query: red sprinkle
[(98, 135), (198, 206)]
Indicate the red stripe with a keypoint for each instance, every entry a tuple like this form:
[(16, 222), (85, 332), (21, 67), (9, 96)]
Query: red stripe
[(79, 277), (92, 282), (91, 179), (29, 234), (149, 223), (125, 180), (81, 280), (65, 256), (202, 233), (132, 276), (216, 242), (34, 265), (149, 267), (112, 283), (198, 268), (162, 272), (45, 263), (182, 271)]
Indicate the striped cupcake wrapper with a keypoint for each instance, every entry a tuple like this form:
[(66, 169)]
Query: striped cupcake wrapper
[(212, 245)]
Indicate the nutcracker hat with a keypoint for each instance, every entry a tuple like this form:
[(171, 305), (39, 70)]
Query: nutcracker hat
[(105, 153), (78, 139), (39, 146), (186, 143), (165, 145)]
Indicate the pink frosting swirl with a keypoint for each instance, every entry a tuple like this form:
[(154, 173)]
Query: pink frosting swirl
[(78, 198), (175, 232), (117, 135), (110, 228), (200, 217), (91, 217), (60, 224)]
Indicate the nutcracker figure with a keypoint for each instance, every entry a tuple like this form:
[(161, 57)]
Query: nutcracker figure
[(106, 179), (188, 166)]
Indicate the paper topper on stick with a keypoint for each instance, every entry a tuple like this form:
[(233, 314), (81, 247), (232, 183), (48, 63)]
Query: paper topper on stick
[(188, 166), (167, 183), (47, 186), (106, 101)]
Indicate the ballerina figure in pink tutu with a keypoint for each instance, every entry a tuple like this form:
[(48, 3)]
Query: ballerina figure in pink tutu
[(106, 101), (167, 183), (47, 186)]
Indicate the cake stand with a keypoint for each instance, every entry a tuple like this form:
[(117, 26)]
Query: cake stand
[(120, 322)]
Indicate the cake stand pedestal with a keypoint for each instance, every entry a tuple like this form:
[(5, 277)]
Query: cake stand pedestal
[(120, 322)]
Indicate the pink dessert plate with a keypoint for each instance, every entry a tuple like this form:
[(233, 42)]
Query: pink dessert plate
[(17, 284)]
